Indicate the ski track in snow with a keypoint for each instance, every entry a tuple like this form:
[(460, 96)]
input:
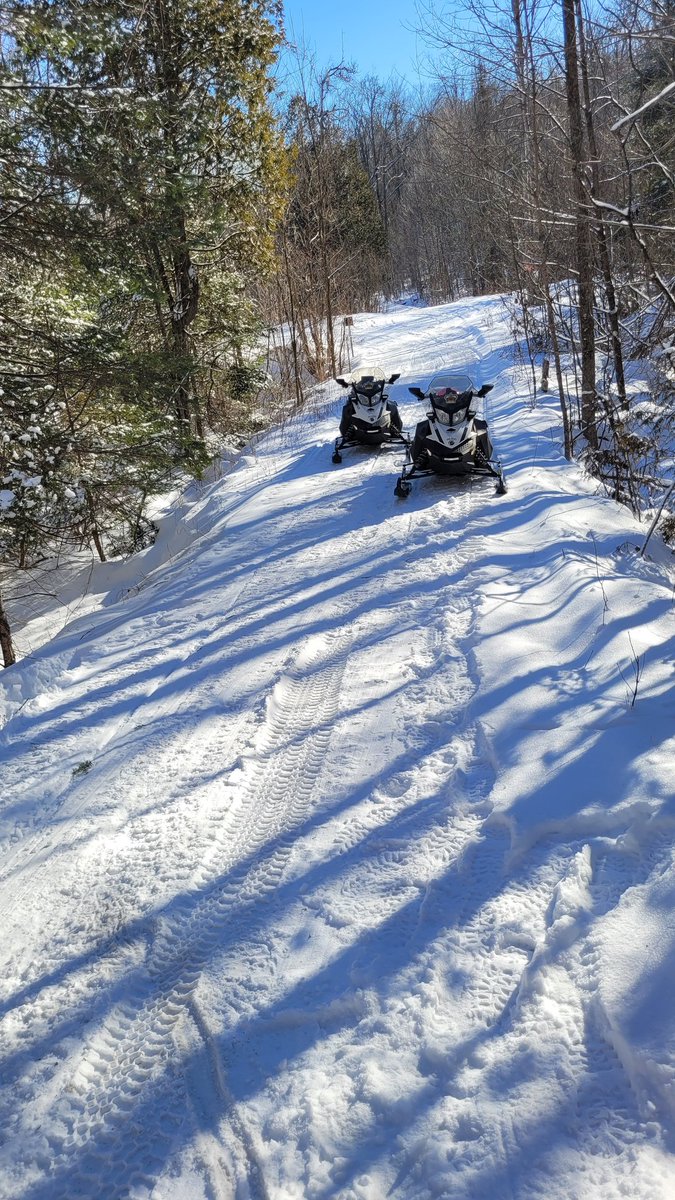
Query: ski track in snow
[(286, 938)]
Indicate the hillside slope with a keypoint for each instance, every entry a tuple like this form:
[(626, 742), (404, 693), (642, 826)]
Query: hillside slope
[(367, 890)]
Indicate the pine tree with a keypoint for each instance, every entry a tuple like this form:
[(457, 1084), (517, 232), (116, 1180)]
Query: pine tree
[(160, 129), (143, 176)]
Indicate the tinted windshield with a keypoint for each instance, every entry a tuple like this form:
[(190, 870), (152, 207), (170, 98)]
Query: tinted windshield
[(447, 382)]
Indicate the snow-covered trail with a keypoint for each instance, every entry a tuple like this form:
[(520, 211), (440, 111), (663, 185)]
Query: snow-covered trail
[(366, 891)]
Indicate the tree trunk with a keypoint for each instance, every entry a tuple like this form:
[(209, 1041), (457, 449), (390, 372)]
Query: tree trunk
[(183, 286), (184, 310), (93, 526), (291, 319), (601, 233), (583, 232), (8, 655), (568, 445), (564, 410)]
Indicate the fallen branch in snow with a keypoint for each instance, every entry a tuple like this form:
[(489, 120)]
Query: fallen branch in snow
[(638, 667), (605, 602), (657, 518)]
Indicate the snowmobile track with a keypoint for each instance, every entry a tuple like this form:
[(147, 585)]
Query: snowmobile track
[(105, 1106)]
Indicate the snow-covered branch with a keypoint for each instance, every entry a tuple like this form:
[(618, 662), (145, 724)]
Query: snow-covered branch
[(643, 108)]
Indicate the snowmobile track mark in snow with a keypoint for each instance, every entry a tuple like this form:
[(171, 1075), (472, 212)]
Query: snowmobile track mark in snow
[(142, 695), (127, 1074)]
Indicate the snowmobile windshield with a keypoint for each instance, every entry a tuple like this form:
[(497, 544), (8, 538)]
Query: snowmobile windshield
[(449, 380), (367, 373), (368, 383), (444, 392)]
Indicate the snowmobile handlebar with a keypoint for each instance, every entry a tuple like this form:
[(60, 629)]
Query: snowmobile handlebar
[(345, 383), (470, 393)]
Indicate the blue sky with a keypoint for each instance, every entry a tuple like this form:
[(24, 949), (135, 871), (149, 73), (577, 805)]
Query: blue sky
[(370, 33)]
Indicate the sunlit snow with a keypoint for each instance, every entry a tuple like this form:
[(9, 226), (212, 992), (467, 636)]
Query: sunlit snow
[(338, 839)]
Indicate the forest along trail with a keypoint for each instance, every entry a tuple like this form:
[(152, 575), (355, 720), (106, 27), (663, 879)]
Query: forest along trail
[(274, 942)]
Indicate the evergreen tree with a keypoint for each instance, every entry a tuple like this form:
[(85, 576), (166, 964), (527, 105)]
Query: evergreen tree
[(144, 175)]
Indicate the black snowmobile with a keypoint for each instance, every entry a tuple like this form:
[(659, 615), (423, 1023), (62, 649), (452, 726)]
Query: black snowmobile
[(369, 418), (453, 440)]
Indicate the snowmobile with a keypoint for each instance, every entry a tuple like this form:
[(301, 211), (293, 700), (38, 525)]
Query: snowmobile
[(369, 418), (453, 440)]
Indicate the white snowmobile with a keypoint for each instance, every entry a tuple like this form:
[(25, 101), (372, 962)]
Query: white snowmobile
[(369, 418), (453, 440)]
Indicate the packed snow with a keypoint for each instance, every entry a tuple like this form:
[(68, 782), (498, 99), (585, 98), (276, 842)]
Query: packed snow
[(338, 840)]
